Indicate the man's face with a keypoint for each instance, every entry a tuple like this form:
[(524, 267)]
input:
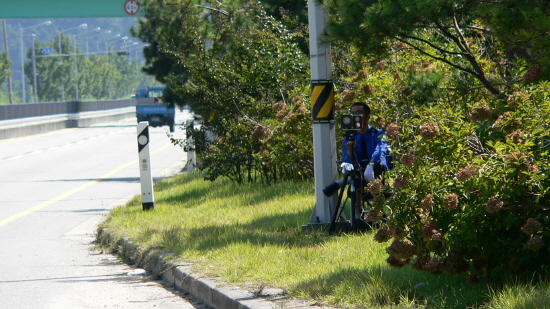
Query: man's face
[(359, 110)]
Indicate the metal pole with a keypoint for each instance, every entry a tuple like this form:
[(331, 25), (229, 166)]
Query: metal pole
[(23, 91), (75, 71), (61, 61), (324, 133), (81, 26), (23, 94), (34, 90)]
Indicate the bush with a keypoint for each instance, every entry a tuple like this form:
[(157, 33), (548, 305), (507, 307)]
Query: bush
[(471, 190), (248, 91), (470, 184)]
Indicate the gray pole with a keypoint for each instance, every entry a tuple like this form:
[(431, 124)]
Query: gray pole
[(34, 90), (61, 60), (324, 134), (75, 71), (10, 86), (23, 94)]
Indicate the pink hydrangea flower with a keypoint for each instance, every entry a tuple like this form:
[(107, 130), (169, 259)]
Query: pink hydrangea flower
[(392, 130), (467, 172), (408, 159), (531, 226), (494, 204), (429, 130), (450, 201)]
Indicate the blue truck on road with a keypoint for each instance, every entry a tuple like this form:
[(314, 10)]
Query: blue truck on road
[(150, 108)]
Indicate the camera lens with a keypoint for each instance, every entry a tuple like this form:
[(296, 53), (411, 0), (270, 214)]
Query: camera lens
[(346, 121), (333, 187)]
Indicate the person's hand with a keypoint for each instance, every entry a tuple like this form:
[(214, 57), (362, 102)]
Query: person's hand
[(369, 172), (346, 167)]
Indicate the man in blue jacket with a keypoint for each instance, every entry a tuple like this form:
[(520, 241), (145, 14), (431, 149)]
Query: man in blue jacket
[(370, 151)]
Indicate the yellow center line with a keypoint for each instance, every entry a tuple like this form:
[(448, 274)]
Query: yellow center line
[(73, 191)]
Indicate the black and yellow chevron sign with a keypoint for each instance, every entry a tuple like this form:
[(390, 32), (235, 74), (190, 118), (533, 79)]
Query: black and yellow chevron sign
[(322, 101)]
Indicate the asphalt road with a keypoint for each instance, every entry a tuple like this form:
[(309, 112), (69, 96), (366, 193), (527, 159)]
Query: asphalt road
[(55, 188)]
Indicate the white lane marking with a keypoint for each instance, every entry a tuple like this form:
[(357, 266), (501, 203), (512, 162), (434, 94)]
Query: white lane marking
[(67, 145)]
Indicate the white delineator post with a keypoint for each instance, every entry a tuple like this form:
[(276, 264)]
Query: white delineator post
[(322, 102), (145, 170)]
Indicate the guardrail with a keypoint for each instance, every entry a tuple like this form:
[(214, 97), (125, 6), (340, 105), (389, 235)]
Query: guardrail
[(27, 119), (14, 111)]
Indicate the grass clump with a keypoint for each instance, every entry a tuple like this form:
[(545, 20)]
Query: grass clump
[(250, 235)]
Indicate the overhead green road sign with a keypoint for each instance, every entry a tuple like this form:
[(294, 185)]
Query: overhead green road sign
[(69, 8)]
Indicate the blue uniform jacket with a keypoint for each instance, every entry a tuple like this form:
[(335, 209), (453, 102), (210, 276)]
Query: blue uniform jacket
[(369, 147)]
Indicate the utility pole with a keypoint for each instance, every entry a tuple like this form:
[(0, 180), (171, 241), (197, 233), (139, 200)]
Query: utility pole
[(34, 81), (21, 30), (6, 46), (324, 133)]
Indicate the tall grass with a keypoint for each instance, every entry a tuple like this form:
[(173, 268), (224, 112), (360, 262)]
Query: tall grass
[(250, 235)]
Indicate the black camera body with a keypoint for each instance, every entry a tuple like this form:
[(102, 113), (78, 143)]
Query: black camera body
[(351, 122)]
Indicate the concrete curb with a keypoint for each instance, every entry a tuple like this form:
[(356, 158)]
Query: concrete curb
[(212, 292)]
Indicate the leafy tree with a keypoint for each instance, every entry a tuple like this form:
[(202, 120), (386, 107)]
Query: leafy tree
[(167, 28), (55, 72), (234, 87), (231, 63), (5, 64), (98, 77), (463, 34)]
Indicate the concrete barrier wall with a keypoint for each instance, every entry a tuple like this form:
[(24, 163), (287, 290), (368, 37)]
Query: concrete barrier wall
[(15, 111), (20, 127)]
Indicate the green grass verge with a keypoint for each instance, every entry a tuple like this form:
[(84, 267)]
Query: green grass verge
[(250, 235)]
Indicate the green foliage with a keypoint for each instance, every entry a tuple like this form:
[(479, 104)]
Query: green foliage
[(5, 72), (4, 99), (97, 77), (470, 184), (5, 64), (459, 87), (466, 109), (244, 77), (169, 28), (236, 93), (457, 33)]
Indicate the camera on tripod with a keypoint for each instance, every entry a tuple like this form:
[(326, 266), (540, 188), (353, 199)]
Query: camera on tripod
[(351, 122)]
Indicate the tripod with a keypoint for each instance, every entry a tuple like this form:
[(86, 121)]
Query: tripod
[(354, 179)]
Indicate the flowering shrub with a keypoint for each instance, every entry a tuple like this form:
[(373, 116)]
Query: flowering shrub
[(471, 192)]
